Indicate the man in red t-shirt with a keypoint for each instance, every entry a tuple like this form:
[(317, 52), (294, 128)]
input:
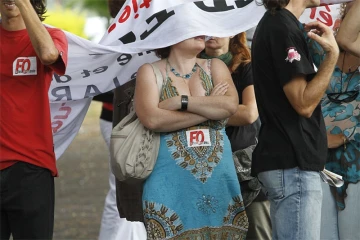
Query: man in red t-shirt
[(29, 54)]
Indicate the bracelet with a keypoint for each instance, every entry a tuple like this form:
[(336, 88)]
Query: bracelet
[(184, 102)]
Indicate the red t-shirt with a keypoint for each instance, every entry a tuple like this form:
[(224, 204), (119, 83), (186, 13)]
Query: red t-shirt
[(25, 122)]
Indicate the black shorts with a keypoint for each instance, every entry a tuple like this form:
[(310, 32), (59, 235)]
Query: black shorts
[(27, 200)]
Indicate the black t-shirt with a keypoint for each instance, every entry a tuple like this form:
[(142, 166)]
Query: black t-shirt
[(107, 97), (243, 136), (123, 100), (286, 139)]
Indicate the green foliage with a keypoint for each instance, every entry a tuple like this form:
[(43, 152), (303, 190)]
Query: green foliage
[(99, 7), (67, 19)]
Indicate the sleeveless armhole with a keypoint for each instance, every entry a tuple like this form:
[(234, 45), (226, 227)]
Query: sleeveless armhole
[(159, 78), (209, 65)]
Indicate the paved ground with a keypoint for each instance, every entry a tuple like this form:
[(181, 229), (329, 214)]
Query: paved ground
[(83, 182)]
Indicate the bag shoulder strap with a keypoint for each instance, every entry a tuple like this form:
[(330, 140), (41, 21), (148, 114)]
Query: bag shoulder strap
[(159, 77), (131, 116)]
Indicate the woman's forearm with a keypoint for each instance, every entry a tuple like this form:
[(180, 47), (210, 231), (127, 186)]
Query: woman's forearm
[(336, 140), (213, 107), (244, 115), (167, 120)]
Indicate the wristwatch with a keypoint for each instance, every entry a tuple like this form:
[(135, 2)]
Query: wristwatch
[(184, 102)]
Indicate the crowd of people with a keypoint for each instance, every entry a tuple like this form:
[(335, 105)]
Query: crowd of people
[(272, 118)]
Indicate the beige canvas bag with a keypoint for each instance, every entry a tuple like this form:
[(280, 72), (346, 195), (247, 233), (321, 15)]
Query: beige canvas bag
[(134, 148)]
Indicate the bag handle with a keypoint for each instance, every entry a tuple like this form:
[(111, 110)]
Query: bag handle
[(159, 82), (159, 77)]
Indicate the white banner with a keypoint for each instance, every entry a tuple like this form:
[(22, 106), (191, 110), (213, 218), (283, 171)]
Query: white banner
[(334, 1), (141, 26)]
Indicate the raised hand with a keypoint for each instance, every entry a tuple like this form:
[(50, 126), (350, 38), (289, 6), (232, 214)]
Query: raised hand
[(322, 34)]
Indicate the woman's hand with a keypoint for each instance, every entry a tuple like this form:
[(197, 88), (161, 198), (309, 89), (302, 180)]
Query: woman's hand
[(220, 89), (171, 104), (336, 140)]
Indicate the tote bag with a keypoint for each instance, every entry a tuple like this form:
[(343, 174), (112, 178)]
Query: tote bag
[(134, 148)]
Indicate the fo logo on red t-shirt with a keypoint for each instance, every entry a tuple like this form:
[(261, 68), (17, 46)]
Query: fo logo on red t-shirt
[(23, 66)]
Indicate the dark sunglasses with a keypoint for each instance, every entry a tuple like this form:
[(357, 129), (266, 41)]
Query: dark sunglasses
[(343, 97)]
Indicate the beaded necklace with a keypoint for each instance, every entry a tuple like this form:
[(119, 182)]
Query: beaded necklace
[(185, 76)]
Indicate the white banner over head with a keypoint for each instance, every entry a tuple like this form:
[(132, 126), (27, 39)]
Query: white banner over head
[(140, 27), (334, 1)]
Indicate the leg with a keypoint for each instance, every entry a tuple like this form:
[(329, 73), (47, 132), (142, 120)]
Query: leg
[(31, 215), (310, 205), (295, 203), (112, 226), (349, 218), (5, 231), (110, 222), (329, 215), (259, 221), (4, 226), (273, 187)]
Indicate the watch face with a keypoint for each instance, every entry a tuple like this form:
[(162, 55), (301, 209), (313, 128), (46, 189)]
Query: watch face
[(184, 102)]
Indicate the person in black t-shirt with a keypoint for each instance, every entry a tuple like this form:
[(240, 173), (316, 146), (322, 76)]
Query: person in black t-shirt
[(243, 128), (348, 36), (292, 144)]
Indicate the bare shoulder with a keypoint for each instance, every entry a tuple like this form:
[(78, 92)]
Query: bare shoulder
[(215, 63), (144, 72), (144, 67), (161, 64), (147, 72), (219, 71)]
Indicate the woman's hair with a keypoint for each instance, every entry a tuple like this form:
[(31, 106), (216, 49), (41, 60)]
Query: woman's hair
[(240, 51), (163, 52), (272, 5), (40, 8), (114, 6)]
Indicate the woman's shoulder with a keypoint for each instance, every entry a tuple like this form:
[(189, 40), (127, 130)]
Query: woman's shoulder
[(149, 66)]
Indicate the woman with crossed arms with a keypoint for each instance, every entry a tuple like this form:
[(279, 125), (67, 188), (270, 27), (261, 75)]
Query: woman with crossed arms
[(193, 191)]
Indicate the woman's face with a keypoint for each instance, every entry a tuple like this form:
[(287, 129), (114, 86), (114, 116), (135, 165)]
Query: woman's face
[(216, 43), (195, 45)]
